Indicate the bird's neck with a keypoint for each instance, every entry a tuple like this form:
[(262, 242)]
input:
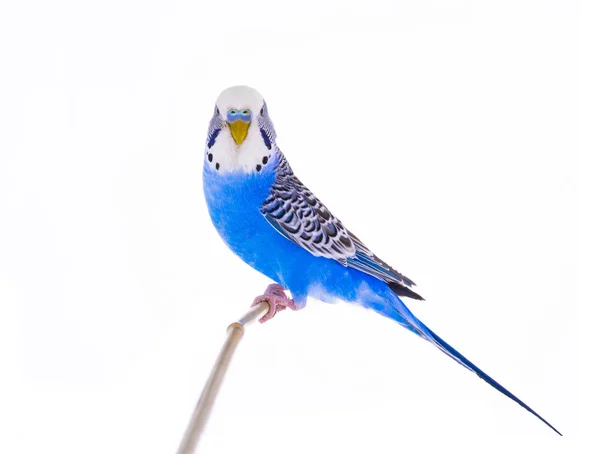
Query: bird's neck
[(251, 156), (238, 190)]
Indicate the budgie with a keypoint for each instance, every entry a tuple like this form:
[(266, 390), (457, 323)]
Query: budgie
[(274, 223)]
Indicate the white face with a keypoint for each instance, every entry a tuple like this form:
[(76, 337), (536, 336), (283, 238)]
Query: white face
[(251, 153)]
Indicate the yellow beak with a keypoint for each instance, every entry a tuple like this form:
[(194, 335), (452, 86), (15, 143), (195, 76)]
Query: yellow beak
[(239, 130)]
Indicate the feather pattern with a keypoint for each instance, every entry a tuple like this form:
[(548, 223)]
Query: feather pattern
[(214, 128), (296, 213)]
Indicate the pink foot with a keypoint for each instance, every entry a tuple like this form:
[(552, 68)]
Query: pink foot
[(277, 299)]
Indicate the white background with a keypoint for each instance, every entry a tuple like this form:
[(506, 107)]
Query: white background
[(443, 133)]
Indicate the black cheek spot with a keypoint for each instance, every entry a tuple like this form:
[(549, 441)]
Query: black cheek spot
[(258, 167), (210, 157), (217, 166), (265, 159), (266, 139)]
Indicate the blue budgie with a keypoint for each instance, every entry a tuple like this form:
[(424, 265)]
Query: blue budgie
[(274, 223)]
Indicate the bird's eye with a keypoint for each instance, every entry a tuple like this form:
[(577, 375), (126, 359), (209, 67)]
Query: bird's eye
[(217, 109), (262, 111)]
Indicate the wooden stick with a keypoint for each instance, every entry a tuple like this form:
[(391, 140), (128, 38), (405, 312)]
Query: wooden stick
[(199, 418)]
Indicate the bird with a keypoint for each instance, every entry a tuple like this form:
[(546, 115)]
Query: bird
[(274, 223)]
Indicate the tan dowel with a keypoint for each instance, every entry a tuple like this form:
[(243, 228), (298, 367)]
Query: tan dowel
[(235, 331)]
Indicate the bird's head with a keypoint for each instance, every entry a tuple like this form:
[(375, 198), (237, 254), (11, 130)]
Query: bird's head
[(240, 134)]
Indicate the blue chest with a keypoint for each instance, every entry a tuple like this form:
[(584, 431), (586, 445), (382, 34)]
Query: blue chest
[(234, 200)]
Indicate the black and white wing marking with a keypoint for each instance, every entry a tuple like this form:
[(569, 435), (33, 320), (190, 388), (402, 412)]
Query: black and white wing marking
[(293, 210)]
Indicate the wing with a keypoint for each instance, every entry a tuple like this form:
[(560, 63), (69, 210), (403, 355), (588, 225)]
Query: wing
[(293, 210)]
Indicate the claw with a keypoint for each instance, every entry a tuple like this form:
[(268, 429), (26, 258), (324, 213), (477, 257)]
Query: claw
[(277, 299)]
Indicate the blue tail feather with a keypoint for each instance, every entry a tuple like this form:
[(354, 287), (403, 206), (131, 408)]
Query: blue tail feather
[(457, 356), (405, 317)]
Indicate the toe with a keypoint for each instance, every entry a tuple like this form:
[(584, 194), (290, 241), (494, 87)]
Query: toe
[(275, 290)]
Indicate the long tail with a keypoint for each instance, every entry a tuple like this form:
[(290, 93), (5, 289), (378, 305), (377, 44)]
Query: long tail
[(402, 315)]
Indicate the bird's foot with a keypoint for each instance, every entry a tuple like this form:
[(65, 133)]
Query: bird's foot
[(277, 299)]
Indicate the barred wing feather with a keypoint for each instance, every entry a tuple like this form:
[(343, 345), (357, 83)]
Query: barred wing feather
[(293, 210)]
